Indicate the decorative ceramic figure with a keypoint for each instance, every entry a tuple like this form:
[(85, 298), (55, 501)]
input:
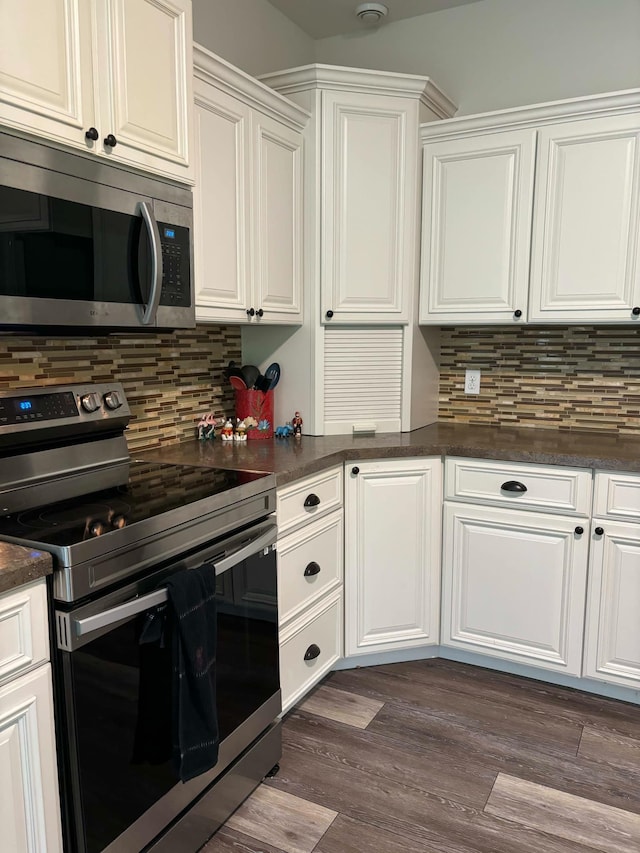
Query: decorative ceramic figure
[(227, 431), (296, 423), (241, 431)]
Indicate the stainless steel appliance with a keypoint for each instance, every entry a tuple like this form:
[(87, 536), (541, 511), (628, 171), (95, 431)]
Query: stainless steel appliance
[(118, 528), (88, 246)]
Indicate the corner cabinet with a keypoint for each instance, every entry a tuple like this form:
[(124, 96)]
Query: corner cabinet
[(392, 554), (29, 806), (533, 214), (248, 215), (82, 74)]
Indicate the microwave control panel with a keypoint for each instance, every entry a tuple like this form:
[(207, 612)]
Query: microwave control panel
[(176, 278)]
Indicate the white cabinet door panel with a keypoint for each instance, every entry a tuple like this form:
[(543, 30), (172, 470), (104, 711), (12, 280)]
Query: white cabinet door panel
[(476, 227), (585, 261), (612, 648), (29, 806), (221, 206), (46, 82), (514, 585), (392, 554)]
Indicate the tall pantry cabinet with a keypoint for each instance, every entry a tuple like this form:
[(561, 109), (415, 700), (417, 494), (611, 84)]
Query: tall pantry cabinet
[(351, 363)]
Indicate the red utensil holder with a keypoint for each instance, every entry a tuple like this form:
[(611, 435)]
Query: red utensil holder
[(259, 406)]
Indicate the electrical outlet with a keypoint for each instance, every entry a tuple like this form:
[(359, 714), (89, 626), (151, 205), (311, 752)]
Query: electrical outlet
[(472, 382)]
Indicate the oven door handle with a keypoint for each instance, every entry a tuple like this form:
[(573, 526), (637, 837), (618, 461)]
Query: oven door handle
[(82, 627)]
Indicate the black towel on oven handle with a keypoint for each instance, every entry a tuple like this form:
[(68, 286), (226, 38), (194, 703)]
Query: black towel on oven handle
[(192, 599)]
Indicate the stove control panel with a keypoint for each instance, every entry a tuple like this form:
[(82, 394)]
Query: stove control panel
[(32, 409)]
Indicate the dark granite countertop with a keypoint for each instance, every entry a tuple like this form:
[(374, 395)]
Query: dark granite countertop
[(20, 565), (292, 458)]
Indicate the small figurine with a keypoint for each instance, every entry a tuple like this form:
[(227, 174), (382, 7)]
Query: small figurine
[(296, 423), (209, 425), (226, 434), (241, 431), (284, 431)]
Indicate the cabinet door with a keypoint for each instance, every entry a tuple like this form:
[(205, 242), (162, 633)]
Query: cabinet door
[(221, 206), (514, 585), (29, 805), (277, 224), (370, 161), (392, 554), (144, 68), (46, 84), (585, 262), (476, 228), (612, 647)]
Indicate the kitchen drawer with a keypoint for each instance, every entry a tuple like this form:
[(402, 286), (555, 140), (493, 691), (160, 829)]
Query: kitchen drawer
[(322, 493), (24, 640), (565, 490), (309, 565), (322, 628), (616, 495)]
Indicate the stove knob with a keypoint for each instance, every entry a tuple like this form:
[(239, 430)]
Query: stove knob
[(90, 402), (112, 400)]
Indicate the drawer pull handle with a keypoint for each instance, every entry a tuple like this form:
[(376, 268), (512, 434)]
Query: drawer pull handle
[(311, 500), (312, 652), (514, 486), (579, 530), (312, 569), (599, 531)]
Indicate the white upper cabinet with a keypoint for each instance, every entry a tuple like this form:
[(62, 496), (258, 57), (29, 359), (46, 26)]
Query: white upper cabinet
[(370, 155), (111, 77), (496, 230), (586, 249), (476, 226), (248, 216)]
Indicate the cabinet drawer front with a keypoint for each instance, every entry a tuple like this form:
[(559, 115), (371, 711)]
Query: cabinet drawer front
[(319, 637), (484, 481), (617, 495), (24, 641), (322, 493), (309, 565)]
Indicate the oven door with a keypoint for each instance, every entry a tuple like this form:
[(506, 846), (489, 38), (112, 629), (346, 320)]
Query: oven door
[(114, 694)]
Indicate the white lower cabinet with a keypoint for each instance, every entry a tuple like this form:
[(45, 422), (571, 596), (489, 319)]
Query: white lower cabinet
[(29, 804), (392, 554), (310, 581)]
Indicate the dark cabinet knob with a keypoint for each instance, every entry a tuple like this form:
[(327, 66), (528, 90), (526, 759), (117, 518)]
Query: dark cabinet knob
[(355, 470), (312, 569), (517, 313), (260, 312), (579, 530), (110, 141), (92, 134), (329, 315), (599, 531), (250, 312), (635, 311), (514, 486), (311, 500), (312, 652)]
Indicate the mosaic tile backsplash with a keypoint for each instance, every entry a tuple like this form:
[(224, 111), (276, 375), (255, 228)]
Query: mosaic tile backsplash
[(169, 378), (567, 377)]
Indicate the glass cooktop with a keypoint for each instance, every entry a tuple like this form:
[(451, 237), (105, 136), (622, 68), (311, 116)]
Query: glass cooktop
[(152, 488)]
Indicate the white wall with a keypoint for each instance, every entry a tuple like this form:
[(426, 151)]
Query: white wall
[(503, 53), (251, 34)]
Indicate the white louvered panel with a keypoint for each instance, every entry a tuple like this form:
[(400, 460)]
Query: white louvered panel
[(362, 378)]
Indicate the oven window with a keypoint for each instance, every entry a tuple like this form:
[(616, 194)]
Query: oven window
[(122, 697)]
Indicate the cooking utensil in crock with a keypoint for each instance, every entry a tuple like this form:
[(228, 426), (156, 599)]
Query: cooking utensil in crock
[(250, 373), (238, 383), (262, 383), (273, 375)]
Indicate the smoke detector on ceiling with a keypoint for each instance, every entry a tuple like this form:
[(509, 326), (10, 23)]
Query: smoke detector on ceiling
[(371, 13)]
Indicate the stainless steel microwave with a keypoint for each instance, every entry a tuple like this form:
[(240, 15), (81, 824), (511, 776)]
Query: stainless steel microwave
[(89, 247)]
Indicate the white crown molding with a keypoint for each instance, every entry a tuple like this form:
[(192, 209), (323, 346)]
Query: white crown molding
[(338, 77), (614, 103), (219, 73)]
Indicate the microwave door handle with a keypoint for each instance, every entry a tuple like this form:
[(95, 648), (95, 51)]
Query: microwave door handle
[(151, 308)]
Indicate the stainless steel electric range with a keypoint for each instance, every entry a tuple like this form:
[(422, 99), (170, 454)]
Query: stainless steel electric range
[(118, 528)]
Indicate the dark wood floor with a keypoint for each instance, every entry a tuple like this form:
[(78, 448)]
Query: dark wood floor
[(439, 757)]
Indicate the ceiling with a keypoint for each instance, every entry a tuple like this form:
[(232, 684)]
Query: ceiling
[(322, 18)]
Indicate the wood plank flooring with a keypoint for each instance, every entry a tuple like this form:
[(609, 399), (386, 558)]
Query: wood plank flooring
[(440, 757)]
